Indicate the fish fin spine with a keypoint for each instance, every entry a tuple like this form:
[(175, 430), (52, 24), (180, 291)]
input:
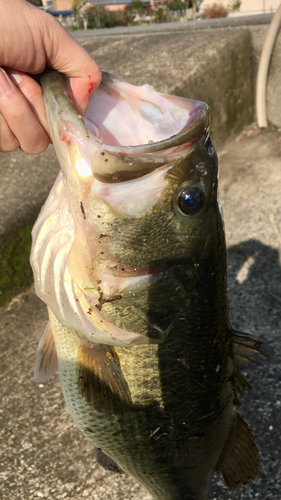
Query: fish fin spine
[(46, 360), (244, 345)]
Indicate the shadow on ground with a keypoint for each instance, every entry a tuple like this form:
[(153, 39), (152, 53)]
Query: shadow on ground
[(255, 298)]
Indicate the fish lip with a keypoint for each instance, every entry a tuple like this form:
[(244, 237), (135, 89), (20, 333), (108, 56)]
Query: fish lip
[(57, 86), (197, 125), (121, 163)]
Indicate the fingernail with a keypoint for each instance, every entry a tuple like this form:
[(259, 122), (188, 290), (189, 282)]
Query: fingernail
[(5, 85), (15, 77)]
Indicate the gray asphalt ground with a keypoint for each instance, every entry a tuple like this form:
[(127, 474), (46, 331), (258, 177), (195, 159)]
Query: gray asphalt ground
[(42, 454)]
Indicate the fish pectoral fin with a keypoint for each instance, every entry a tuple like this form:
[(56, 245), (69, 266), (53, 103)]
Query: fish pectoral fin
[(46, 360), (106, 462), (239, 462), (100, 379), (244, 345)]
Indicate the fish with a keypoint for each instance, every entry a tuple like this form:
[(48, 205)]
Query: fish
[(129, 255)]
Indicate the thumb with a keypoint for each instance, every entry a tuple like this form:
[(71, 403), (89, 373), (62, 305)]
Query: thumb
[(82, 89)]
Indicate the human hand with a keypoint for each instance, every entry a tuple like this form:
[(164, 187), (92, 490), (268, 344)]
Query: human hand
[(31, 40)]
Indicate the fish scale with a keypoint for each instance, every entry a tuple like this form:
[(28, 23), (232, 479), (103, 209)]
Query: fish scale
[(139, 366), (140, 326)]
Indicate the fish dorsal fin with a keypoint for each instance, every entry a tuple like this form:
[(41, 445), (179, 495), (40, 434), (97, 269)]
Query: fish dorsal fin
[(100, 379), (239, 462), (46, 361), (106, 462), (244, 345)]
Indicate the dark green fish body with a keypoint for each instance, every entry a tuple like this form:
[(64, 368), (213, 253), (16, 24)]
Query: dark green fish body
[(153, 382)]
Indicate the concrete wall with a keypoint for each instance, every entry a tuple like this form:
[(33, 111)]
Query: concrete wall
[(215, 61)]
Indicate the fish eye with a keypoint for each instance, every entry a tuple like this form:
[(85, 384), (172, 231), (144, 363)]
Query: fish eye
[(190, 200)]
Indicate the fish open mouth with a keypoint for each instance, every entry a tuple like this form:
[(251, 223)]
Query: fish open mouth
[(129, 131), (114, 166)]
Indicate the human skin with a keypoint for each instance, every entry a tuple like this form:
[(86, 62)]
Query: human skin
[(31, 40)]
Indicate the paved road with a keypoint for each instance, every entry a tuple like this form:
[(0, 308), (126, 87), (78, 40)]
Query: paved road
[(42, 454)]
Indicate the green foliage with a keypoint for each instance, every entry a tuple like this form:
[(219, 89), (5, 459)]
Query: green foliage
[(193, 3), (234, 5), (35, 2), (99, 17), (177, 5), (118, 18), (15, 271), (77, 24), (129, 15), (161, 15), (137, 7)]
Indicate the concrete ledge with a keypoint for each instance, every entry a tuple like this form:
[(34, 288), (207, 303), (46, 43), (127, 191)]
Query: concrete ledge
[(205, 24)]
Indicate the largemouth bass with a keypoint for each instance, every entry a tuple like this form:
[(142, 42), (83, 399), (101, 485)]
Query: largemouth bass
[(129, 255)]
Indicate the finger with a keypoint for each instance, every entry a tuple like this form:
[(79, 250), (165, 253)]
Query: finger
[(33, 94), (67, 56), (8, 142), (20, 117)]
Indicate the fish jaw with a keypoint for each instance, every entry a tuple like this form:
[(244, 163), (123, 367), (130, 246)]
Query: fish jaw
[(79, 269), (158, 129)]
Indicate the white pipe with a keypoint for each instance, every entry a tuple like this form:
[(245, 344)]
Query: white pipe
[(263, 68)]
